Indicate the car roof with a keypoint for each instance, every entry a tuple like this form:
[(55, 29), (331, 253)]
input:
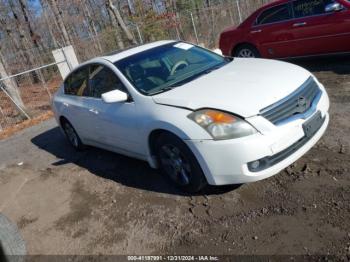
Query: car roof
[(121, 54), (275, 3)]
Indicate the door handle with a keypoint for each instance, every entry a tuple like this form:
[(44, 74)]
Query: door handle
[(256, 31), (65, 104), (300, 24), (93, 111)]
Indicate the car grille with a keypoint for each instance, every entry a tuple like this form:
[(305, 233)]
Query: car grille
[(297, 103)]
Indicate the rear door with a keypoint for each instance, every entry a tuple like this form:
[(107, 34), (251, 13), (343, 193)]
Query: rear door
[(316, 31), (75, 89), (270, 31)]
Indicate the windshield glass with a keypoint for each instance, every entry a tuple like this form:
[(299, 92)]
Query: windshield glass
[(165, 67)]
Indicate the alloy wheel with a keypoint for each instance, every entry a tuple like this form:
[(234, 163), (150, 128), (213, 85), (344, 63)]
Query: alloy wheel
[(175, 164), (247, 53)]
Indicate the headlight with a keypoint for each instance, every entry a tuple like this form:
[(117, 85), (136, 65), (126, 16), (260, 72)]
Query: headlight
[(221, 125)]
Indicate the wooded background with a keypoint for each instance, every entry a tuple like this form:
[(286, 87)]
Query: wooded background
[(31, 29)]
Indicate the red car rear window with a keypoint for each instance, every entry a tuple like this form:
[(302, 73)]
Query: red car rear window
[(274, 14)]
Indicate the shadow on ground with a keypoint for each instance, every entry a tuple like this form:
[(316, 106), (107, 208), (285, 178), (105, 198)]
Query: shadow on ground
[(121, 169), (2, 254), (339, 64)]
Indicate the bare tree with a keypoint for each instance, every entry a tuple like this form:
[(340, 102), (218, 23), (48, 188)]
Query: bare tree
[(25, 45), (115, 25), (34, 37), (118, 17), (91, 26), (49, 25), (59, 19)]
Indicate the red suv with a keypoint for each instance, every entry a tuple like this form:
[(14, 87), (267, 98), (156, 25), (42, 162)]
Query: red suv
[(288, 28)]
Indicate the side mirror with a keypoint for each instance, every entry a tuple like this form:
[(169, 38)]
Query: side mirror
[(334, 7), (115, 96)]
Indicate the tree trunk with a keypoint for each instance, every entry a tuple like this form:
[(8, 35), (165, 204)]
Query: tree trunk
[(59, 20), (92, 27), (24, 44), (114, 24), (118, 17), (34, 37), (35, 58)]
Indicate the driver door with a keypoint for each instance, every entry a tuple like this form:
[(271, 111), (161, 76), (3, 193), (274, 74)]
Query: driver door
[(115, 124)]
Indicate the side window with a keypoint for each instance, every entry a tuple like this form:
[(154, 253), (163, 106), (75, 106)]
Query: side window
[(103, 80), (274, 14), (76, 83), (303, 8)]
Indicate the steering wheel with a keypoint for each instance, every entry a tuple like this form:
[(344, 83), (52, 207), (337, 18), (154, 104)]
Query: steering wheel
[(177, 65)]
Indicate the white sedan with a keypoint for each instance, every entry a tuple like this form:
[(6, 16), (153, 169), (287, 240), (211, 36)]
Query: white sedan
[(198, 116)]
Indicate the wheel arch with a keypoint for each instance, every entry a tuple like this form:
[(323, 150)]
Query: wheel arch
[(155, 131), (155, 134), (151, 143), (62, 120)]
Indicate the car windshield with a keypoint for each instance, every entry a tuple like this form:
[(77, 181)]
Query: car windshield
[(168, 66)]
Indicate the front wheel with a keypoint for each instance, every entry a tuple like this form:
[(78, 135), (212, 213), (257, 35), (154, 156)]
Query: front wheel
[(247, 51), (178, 163), (72, 136)]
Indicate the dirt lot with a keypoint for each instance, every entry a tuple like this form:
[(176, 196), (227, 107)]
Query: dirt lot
[(96, 202)]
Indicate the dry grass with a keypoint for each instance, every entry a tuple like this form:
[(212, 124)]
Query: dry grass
[(25, 124)]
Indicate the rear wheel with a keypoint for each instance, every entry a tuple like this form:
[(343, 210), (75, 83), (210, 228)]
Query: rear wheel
[(178, 164), (72, 136), (247, 51), (11, 242)]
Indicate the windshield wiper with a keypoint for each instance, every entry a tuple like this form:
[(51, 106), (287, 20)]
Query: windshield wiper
[(162, 90), (229, 58), (209, 70)]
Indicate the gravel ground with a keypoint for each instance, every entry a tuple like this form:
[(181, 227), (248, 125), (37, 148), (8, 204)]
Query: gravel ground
[(97, 202)]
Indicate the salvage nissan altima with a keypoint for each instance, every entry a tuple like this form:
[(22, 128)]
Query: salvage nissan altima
[(198, 116)]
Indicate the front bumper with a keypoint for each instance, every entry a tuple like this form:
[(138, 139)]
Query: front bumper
[(226, 162)]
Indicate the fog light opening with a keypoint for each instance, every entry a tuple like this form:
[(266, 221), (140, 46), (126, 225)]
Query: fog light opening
[(255, 164)]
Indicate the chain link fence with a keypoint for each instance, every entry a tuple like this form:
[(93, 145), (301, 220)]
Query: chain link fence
[(27, 94)]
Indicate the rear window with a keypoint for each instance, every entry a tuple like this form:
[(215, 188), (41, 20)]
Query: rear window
[(76, 83), (274, 14)]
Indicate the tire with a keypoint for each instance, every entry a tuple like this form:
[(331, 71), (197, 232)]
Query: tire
[(72, 136), (247, 51), (178, 164), (11, 242)]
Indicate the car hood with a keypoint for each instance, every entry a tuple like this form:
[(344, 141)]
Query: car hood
[(243, 87)]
